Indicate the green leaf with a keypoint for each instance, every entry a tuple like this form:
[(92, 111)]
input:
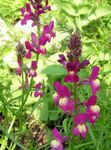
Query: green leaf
[(100, 12), (84, 9), (54, 70), (92, 135), (44, 112), (65, 125), (53, 115)]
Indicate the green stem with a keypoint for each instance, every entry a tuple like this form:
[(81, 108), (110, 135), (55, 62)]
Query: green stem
[(31, 81), (75, 97), (4, 144)]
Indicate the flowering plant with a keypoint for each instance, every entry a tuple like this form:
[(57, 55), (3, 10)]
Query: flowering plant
[(68, 98), (32, 48)]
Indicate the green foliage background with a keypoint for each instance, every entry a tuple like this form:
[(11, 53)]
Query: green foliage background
[(93, 19)]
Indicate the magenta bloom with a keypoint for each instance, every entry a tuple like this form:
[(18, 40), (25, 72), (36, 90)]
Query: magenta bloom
[(57, 144), (62, 90), (62, 60), (93, 110), (32, 71), (72, 69), (94, 82), (62, 97), (80, 127), (33, 14), (48, 32), (38, 92), (26, 13), (38, 46), (18, 71), (45, 37), (29, 49), (66, 105)]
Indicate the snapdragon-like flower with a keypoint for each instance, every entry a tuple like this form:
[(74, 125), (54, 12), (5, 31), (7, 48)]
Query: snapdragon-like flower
[(45, 37), (26, 13), (80, 127), (70, 100), (93, 110), (94, 82), (48, 33), (57, 144), (28, 53), (32, 71), (62, 97), (38, 92), (38, 45), (62, 60), (33, 11), (72, 69)]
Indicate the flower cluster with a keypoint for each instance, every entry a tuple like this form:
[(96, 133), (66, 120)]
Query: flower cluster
[(35, 46), (33, 11), (68, 99), (38, 46)]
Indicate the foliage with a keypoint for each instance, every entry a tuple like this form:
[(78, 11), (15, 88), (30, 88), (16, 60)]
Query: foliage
[(93, 20)]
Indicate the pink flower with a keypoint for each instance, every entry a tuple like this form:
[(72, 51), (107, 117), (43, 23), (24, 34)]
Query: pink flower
[(62, 60), (80, 127), (62, 90), (66, 105), (45, 37), (57, 144), (29, 49), (93, 110), (29, 14), (94, 82), (62, 97), (18, 71), (32, 71), (26, 13), (72, 69), (38, 92)]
